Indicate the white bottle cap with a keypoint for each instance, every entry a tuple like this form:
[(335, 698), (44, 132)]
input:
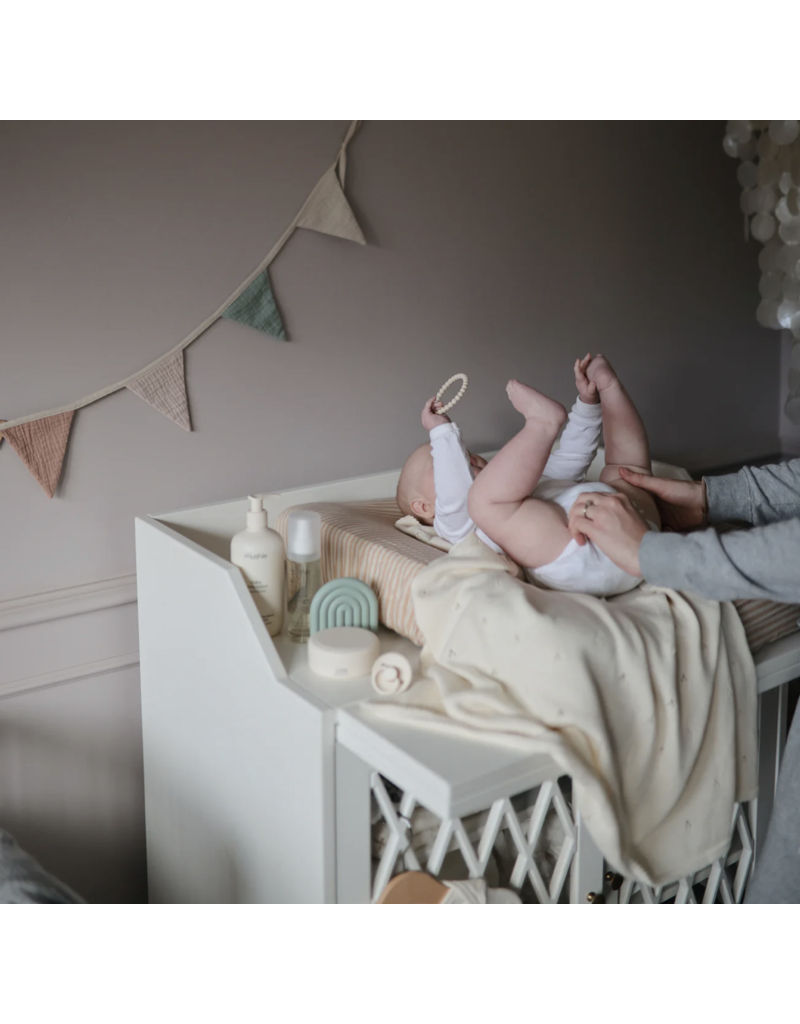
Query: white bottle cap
[(256, 517), (304, 537)]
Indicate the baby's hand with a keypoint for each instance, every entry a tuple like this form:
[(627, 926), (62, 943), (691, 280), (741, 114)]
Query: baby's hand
[(587, 389), (431, 417)]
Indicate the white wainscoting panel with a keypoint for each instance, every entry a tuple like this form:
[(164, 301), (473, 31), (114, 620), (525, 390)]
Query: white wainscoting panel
[(71, 781)]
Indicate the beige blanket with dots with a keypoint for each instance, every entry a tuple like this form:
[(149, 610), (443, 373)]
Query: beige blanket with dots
[(647, 700)]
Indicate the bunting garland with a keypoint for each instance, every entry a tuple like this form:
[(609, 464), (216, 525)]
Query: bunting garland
[(328, 211), (165, 389), (40, 439), (42, 444), (256, 307)]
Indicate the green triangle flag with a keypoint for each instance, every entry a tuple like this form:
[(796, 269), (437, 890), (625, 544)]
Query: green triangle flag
[(256, 307)]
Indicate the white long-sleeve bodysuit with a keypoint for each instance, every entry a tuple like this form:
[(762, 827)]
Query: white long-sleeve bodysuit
[(581, 568)]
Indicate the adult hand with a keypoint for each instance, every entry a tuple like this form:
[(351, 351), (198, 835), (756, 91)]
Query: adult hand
[(680, 502), (431, 417), (613, 524)]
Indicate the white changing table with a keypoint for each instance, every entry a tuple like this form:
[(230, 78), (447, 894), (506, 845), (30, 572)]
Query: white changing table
[(258, 773)]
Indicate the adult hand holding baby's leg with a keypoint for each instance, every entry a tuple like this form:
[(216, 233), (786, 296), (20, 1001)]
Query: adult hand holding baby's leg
[(612, 523), (680, 502)]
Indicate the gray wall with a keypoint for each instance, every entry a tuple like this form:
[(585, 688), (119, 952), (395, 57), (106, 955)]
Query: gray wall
[(496, 248)]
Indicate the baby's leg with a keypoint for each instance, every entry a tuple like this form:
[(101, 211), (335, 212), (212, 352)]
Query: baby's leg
[(624, 437), (532, 532)]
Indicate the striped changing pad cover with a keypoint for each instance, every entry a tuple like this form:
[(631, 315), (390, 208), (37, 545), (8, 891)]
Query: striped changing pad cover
[(359, 539)]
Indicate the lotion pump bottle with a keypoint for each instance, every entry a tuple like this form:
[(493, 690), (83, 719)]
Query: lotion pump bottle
[(303, 571), (259, 553)]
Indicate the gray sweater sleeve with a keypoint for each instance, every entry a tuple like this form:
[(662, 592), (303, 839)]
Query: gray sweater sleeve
[(763, 562), (759, 495)]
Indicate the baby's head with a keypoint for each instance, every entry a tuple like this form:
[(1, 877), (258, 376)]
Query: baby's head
[(416, 494)]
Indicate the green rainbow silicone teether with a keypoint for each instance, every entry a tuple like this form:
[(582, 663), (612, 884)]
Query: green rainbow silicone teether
[(344, 602)]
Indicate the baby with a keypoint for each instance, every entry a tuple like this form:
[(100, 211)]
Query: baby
[(519, 503)]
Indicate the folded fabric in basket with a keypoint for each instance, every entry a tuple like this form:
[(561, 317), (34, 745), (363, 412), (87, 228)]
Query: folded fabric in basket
[(475, 890)]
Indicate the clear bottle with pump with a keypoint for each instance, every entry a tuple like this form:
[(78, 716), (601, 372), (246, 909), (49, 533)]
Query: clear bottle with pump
[(259, 553), (303, 571)]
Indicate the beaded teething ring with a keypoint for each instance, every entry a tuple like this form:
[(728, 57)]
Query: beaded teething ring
[(446, 385)]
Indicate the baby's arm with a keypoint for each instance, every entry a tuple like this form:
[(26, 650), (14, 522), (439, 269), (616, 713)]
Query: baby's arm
[(452, 479), (452, 476), (582, 433), (579, 443)]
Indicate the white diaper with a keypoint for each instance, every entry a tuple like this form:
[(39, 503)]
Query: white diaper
[(580, 568)]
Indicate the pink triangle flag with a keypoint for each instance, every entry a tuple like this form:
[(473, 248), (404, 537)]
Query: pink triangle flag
[(164, 387), (42, 444), (328, 211)]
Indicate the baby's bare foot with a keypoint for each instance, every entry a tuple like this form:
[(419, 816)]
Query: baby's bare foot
[(534, 405), (602, 373)]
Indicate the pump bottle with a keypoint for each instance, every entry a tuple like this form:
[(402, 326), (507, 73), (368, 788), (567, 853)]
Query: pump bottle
[(259, 553)]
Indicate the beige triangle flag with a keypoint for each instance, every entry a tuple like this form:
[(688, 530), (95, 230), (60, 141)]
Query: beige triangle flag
[(41, 444), (328, 211), (164, 387)]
